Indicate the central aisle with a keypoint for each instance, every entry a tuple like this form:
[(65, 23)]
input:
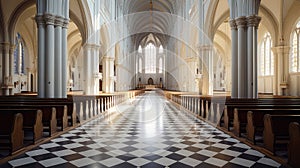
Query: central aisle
[(148, 132)]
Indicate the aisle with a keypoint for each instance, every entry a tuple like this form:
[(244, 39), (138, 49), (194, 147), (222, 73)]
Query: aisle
[(147, 132)]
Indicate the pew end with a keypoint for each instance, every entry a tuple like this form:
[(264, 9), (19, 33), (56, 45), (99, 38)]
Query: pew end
[(294, 145)]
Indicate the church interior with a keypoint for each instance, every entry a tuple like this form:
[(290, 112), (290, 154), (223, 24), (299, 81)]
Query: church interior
[(150, 83)]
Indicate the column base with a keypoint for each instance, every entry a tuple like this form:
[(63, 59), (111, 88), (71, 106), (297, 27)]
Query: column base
[(6, 89)]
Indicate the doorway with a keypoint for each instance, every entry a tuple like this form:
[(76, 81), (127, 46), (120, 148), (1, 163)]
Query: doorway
[(150, 81)]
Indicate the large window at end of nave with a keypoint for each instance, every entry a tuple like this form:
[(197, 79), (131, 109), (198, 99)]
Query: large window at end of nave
[(19, 55), (295, 56), (150, 59), (266, 58)]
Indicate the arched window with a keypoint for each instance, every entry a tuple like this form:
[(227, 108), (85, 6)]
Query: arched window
[(161, 49), (150, 59), (19, 55), (295, 56), (140, 49), (160, 65), (266, 57), (140, 65)]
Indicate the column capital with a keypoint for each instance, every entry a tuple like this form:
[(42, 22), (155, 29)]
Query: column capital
[(232, 24), (241, 22), (65, 23), (281, 49), (39, 20), (59, 21), (5, 46), (202, 47), (49, 19), (107, 58), (12, 48), (253, 21), (92, 46)]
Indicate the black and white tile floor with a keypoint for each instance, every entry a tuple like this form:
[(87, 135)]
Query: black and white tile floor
[(147, 132)]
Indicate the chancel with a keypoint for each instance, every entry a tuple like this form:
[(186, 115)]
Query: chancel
[(150, 83)]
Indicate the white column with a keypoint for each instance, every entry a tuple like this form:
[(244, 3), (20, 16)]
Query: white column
[(210, 72), (64, 58), (49, 61), (207, 70), (87, 70), (58, 58), (281, 71), (91, 69), (11, 69), (41, 56), (95, 70), (234, 48), (242, 55), (255, 89), (5, 82), (108, 74), (250, 56), (28, 70)]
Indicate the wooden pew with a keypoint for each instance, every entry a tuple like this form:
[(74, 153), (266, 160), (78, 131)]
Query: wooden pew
[(294, 145), (228, 114), (276, 129), (250, 123), (49, 120), (255, 120), (32, 121), (33, 100), (11, 132), (49, 115)]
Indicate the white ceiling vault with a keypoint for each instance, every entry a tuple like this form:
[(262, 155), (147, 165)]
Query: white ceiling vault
[(151, 17)]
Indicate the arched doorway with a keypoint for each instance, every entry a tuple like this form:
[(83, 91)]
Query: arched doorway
[(150, 81)]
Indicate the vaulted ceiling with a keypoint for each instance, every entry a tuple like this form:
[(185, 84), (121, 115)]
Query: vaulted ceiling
[(151, 16)]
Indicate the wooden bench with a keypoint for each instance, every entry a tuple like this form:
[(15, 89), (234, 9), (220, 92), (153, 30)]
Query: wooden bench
[(294, 145), (250, 123), (255, 120), (33, 100), (228, 115), (50, 115), (11, 132), (32, 121), (276, 130)]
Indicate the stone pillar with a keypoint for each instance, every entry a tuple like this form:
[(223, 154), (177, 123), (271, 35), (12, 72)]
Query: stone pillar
[(5, 64), (49, 59), (281, 72), (108, 75), (11, 68), (64, 59), (242, 55), (91, 69), (58, 57), (86, 70), (252, 23), (244, 47), (41, 55), (52, 20), (65, 12), (207, 70)]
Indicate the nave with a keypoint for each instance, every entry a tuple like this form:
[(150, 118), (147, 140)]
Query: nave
[(148, 131)]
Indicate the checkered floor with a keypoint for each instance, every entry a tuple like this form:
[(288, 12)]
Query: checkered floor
[(146, 132)]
